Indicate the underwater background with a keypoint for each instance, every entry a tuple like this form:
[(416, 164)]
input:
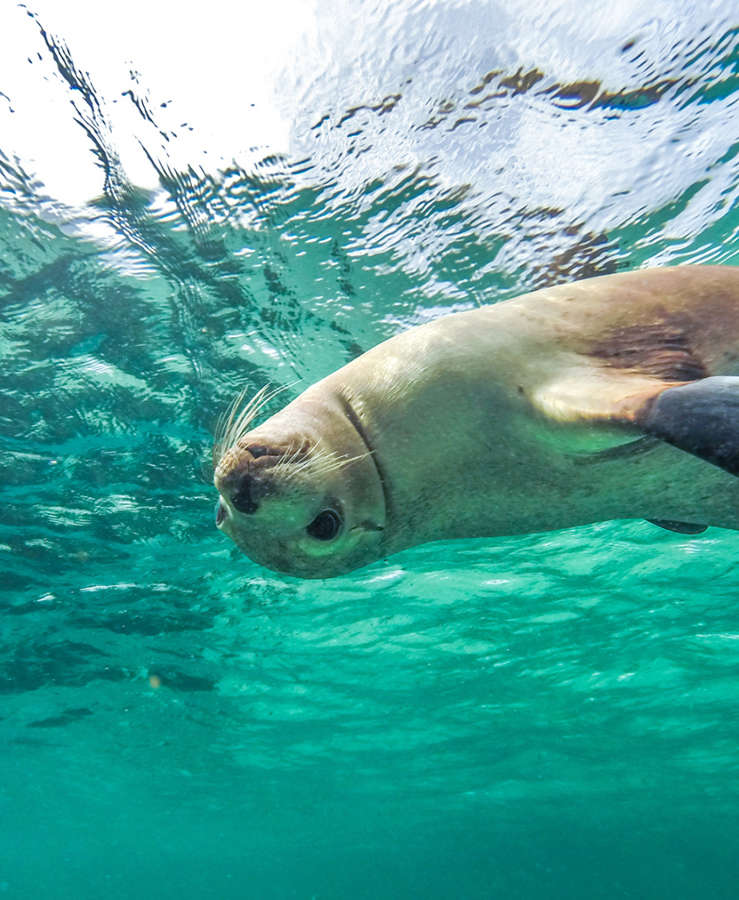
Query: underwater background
[(192, 204)]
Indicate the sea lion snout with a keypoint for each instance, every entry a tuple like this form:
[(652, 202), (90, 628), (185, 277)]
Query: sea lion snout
[(248, 472), (239, 477), (240, 457)]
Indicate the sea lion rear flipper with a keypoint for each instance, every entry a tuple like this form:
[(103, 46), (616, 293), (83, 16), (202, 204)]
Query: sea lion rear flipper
[(701, 417), (678, 527)]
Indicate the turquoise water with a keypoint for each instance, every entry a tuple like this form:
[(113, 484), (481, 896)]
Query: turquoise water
[(550, 716)]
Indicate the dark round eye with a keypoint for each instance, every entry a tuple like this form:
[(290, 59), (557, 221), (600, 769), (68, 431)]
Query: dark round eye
[(325, 526)]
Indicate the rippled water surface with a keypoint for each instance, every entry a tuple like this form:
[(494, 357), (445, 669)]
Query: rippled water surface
[(191, 205)]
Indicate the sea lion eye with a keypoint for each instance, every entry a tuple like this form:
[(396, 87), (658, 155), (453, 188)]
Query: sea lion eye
[(325, 526)]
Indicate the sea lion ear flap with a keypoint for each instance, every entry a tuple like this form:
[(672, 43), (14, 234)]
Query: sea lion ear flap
[(701, 417)]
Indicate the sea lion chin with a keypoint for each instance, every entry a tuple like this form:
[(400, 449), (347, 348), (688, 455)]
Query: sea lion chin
[(613, 397)]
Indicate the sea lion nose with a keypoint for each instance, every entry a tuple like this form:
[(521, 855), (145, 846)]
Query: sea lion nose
[(255, 451), (242, 477), (258, 450)]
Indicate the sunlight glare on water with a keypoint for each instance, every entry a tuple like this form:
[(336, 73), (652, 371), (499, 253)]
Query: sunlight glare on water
[(192, 205)]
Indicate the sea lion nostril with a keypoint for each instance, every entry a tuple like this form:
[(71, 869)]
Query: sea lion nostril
[(242, 500), (258, 450)]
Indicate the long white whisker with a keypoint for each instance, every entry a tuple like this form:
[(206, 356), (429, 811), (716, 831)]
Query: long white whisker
[(316, 467), (236, 421), (225, 423)]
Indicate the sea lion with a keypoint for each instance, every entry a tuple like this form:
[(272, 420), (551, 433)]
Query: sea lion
[(610, 398)]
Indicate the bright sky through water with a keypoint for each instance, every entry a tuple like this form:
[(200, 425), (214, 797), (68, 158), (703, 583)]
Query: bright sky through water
[(235, 81), (216, 70)]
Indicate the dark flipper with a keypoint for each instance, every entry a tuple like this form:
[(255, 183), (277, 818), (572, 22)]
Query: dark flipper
[(701, 418), (679, 527)]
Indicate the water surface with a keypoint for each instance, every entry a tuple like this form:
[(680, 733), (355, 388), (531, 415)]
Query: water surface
[(553, 716)]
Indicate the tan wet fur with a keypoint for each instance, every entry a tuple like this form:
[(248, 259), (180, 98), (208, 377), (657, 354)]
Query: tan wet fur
[(512, 418)]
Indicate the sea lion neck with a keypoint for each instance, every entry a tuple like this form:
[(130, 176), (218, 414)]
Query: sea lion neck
[(354, 417)]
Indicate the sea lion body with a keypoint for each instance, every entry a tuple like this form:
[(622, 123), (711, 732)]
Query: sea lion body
[(524, 416)]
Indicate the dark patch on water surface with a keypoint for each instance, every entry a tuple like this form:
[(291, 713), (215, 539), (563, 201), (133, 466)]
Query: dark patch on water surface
[(60, 663), (66, 718), (591, 255), (147, 620)]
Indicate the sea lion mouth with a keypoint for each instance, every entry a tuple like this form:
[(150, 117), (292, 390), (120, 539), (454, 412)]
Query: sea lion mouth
[(221, 513)]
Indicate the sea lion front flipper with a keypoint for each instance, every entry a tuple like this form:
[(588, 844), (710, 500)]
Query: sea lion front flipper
[(701, 417)]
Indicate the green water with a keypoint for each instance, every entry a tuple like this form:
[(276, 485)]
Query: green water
[(549, 716)]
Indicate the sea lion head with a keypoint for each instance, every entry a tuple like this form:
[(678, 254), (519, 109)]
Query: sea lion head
[(300, 493)]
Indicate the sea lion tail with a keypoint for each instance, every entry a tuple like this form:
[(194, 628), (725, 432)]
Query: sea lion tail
[(701, 417)]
